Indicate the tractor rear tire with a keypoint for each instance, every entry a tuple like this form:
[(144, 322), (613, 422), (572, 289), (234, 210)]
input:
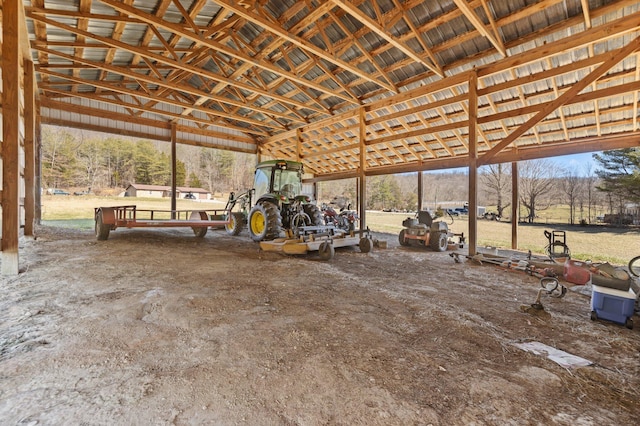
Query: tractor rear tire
[(314, 214), (438, 242), (102, 229), (265, 222), (234, 227)]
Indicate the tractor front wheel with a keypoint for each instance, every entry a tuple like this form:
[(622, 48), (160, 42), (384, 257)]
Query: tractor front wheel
[(265, 222), (234, 227)]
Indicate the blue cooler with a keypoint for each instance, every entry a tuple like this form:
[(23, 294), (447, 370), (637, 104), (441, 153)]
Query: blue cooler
[(613, 305)]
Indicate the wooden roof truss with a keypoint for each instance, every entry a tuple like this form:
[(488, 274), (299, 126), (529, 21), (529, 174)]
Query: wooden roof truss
[(290, 78)]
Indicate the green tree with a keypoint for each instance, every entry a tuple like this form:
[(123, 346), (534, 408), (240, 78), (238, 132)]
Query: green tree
[(144, 161), (194, 181), (620, 173), (119, 162), (59, 164), (384, 192)]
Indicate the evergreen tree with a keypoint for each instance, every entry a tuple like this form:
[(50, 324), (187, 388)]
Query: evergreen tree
[(620, 173), (194, 181)]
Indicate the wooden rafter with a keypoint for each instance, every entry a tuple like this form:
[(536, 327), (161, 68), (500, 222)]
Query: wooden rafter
[(475, 20), (296, 80), (375, 27)]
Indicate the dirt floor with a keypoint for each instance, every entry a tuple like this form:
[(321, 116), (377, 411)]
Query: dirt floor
[(156, 327)]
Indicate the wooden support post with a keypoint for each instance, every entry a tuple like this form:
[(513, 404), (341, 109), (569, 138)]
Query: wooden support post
[(420, 190), (10, 135), (515, 215), (473, 168), (358, 193), (362, 193), (298, 144), (173, 170), (29, 142), (38, 170)]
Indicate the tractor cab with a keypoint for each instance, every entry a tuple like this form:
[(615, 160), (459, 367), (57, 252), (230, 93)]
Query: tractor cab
[(278, 180)]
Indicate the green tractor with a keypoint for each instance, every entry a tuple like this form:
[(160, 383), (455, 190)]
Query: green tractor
[(280, 209)]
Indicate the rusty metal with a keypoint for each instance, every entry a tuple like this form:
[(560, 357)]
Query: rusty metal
[(132, 217)]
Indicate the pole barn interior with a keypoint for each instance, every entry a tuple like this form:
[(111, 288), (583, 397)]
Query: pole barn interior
[(350, 88), (160, 329)]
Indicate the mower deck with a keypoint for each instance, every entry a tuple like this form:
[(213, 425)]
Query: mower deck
[(319, 238)]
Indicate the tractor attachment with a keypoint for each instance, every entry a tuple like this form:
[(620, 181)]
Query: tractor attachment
[(323, 239)]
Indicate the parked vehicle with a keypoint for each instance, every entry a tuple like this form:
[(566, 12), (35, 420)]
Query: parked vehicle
[(58, 192), (491, 216), (462, 210), (423, 230), (453, 212), (345, 220), (280, 207)]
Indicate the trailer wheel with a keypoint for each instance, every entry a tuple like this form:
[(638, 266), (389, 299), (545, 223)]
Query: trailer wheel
[(594, 316), (265, 222), (629, 323), (102, 229), (234, 227), (401, 239), (326, 250), (199, 231), (366, 245), (439, 242)]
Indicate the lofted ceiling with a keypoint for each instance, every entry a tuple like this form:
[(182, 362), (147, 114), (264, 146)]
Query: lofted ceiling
[(389, 85)]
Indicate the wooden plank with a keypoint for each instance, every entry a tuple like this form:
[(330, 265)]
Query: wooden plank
[(29, 151), (362, 169), (11, 78), (473, 167), (515, 204)]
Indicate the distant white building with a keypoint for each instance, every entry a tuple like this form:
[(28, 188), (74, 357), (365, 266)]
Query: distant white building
[(161, 191)]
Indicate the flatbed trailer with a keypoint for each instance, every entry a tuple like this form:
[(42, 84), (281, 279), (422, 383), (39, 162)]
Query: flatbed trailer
[(323, 239), (110, 218)]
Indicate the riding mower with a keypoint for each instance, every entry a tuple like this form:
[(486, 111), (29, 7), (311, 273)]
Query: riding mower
[(423, 230)]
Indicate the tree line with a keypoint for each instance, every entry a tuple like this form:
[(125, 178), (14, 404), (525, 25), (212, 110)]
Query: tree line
[(104, 165), (542, 184), (75, 159)]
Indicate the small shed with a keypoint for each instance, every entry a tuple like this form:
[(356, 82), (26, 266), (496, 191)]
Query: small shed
[(160, 191), (142, 190), (194, 193)]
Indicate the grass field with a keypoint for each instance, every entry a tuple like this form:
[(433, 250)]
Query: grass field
[(596, 243)]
